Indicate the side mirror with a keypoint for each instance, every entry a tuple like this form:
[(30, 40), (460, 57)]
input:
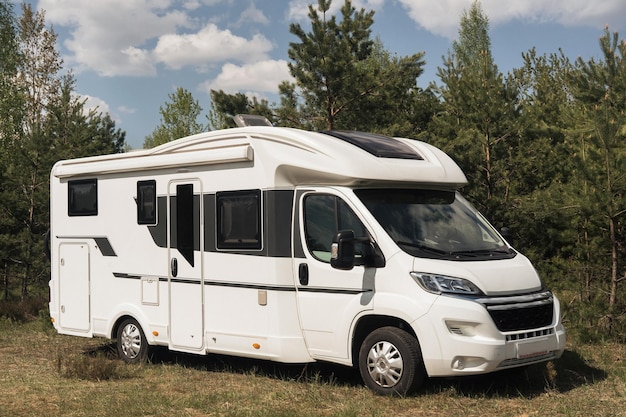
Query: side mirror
[(342, 250)]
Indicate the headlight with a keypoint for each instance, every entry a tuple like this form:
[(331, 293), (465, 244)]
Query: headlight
[(439, 284)]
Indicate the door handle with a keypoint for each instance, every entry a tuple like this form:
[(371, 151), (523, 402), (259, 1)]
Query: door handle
[(303, 274), (174, 266)]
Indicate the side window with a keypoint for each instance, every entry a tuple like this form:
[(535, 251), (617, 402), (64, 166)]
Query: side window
[(324, 216), (239, 219), (82, 197), (146, 202)]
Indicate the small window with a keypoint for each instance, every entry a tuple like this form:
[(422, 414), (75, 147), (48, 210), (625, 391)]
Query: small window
[(82, 198), (146, 202), (239, 219)]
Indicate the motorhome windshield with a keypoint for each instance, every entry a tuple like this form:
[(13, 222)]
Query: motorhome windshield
[(435, 224)]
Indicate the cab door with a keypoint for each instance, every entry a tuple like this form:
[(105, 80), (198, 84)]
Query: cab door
[(185, 246), (328, 299)]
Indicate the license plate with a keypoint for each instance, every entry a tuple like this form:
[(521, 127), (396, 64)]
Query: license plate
[(531, 349)]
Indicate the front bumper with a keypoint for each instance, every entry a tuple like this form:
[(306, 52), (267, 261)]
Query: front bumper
[(459, 337)]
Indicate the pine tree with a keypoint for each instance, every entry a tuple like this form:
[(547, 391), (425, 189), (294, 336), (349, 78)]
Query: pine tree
[(10, 126), (224, 106), (48, 122), (599, 89), (546, 212), (179, 118), (477, 122), (328, 62)]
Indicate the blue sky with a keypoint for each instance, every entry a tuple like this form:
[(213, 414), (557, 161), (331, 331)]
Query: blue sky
[(128, 55)]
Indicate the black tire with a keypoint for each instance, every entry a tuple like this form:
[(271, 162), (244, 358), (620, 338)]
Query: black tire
[(132, 346), (390, 362)]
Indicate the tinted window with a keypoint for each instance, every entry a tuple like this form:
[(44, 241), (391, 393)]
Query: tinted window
[(82, 198), (185, 226), (239, 219), (435, 224), (146, 202)]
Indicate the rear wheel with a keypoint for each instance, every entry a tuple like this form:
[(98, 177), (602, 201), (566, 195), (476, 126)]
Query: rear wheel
[(132, 345), (390, 362)]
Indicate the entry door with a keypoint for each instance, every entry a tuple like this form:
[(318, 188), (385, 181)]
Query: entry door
[(74, 286), (186, 292), (329, 299)]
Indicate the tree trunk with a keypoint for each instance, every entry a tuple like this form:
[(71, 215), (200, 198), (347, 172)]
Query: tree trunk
[(587, 269), (488, 167), (5, 282), (614, 252)]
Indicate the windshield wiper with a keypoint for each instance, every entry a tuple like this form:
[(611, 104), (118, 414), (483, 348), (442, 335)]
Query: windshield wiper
[(424, 248), (483, 252)]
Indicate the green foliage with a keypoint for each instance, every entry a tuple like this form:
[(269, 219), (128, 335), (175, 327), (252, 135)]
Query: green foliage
[(42, 121), (540, 162), (10, 94), (478, 122), (599, 89), (179, 118), (344, 80), (328, 61), (93, 366), (22, 311), (347, 80), (224, 106)]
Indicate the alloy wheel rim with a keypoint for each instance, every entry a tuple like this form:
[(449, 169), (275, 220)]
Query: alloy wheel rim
[(385, 364)]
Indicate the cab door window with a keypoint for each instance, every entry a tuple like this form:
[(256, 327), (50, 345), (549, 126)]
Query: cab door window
[(324, 216)]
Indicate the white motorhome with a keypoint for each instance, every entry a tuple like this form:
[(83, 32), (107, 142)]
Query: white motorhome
[(294, 246)]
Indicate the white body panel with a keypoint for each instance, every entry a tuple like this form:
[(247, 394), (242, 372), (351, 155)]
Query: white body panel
[(254, 301)]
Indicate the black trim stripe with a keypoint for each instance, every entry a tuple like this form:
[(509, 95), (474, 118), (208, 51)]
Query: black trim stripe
[(131, 276), (105, 246), (348, 291), (283, 288), (250, 286)]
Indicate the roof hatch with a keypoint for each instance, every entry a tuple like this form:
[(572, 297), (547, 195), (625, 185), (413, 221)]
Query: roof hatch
[(377, 145)]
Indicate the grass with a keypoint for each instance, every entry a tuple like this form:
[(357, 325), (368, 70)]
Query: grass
[(45, 374)]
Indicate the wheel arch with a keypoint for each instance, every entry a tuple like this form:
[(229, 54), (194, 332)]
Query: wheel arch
[(129, 312), (118, 322), (368, 323)]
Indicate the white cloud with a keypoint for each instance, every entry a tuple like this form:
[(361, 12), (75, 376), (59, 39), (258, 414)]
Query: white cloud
[(442, 17), (253, 15), (130, 37), (110, 37), (209, 45), (127, 110), (260, 77), (93, 103), (298, 10), (98, 105)]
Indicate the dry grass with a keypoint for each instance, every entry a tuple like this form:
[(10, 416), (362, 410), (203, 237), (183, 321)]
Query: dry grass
[(45, 374)]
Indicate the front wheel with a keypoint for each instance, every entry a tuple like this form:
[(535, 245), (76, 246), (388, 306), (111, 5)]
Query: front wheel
[(390, 362), (132, 345)]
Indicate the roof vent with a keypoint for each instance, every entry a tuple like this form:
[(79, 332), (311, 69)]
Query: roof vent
[(243, 120)]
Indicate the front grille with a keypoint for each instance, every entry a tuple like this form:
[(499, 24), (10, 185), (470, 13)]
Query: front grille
[(529, 335), (520, 312), (508, 363)]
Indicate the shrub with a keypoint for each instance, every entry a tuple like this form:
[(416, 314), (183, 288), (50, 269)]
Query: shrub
[(92, 368), (24, 310)]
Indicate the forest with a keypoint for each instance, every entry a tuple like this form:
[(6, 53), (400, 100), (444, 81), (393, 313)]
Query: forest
[(543, 146)]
